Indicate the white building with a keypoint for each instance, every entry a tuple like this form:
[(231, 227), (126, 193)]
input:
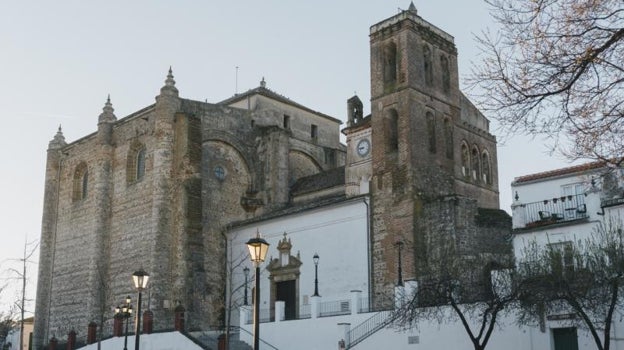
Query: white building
[(12, 341), (560, 208)]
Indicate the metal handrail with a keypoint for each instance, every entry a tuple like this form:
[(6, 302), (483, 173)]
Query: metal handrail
[(368, 328), (334, 308)]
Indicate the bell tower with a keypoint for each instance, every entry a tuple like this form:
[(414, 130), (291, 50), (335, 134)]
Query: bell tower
[(421, 184), (415, 101)]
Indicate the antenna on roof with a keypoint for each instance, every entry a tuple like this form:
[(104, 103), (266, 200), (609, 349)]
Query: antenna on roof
[(236, 85)]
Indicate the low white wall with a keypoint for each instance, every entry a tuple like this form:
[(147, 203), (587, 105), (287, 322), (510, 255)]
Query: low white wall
[(324, 334), (155, 341)]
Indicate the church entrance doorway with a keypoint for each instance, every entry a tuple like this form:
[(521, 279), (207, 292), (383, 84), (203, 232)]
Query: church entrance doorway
[(286, 292)]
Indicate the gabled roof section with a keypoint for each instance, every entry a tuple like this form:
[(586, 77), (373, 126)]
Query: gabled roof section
[(266, 92), (327, 179), (559, 172)]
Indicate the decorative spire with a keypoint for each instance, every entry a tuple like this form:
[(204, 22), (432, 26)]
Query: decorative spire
[(107, 115), (284, 245), (170, 81), (169, 88), (412, 8), (58, 141), (262, 83)]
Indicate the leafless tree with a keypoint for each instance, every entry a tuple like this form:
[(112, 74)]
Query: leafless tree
[(102, 295), (555, 67), (473, 290), (21, 275), (581, 280), (236, 263)]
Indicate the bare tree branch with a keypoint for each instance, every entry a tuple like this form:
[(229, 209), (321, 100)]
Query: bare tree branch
[(583, 278), (555, 68)]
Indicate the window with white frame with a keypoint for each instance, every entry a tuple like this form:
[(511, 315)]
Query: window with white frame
[(572, 189), (562, 257), (573, 201)]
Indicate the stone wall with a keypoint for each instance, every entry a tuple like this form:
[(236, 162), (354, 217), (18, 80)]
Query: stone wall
[(418, 189)]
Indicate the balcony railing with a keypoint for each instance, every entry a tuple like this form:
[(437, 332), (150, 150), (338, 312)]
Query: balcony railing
[(554, 211)]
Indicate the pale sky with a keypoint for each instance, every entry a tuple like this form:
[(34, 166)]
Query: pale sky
[(60, 59)]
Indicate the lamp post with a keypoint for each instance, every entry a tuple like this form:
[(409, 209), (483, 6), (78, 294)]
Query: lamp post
[(316, 261), (125, 311), (399, 246), (246, 272), (140, 279), (258, 248)]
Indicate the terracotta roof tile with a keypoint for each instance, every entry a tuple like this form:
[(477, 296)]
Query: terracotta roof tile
[(559, 172)]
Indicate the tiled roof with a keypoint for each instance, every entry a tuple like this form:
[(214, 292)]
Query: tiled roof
[(327, 179), (559, 172), (260, 90)]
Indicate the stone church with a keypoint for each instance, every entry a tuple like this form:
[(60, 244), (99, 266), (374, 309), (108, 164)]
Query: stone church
[(160, 188)]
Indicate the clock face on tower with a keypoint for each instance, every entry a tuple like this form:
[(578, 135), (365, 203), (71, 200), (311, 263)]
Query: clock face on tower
[(363, 147)]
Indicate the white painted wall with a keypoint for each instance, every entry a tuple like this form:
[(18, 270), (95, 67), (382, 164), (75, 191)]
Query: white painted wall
[(549, 188), (324, 333), (338, 233), (155, 341), (538, 190)]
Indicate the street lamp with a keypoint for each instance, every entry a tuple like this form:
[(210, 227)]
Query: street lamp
[(125, 311), (316, 260), (140, 279), (258, 248), (246, 272), (399, 246)]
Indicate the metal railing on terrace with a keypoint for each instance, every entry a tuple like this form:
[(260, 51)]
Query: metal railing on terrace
[(319, 308), (334, 308), (554, 210), (305, 311), (366, 305)]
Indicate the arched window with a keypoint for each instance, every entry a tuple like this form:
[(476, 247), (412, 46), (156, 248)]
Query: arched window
[(81, 182), (135, 166), (446, 75), (448, 138), (474, 157), (431, 131), (485, 167), (390, 64), (428, 71), (465, 160), (391, 130), (140, 164)]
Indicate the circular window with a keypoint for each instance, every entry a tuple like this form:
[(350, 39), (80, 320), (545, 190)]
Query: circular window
[(219, 172)]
